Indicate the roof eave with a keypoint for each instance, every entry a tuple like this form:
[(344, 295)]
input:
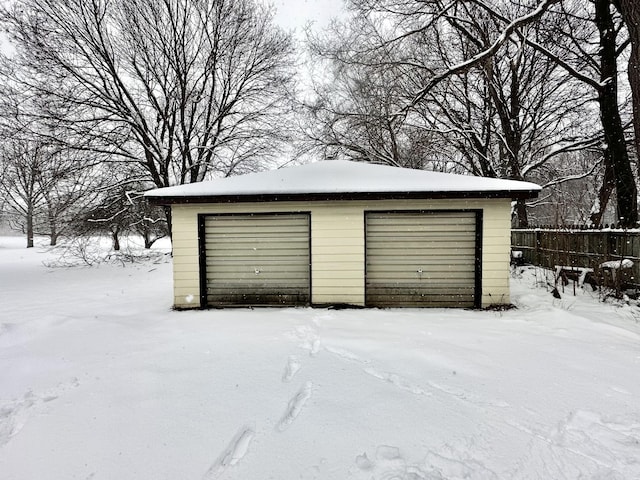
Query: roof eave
[(315, 197)]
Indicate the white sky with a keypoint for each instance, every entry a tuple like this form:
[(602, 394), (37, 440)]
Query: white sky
[(295, 14)]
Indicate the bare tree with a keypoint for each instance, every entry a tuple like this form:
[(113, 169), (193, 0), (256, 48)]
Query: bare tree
[(415, 81), (630, 11), (45, 187), (514, 113), (586, 40), (186, 89), (354, 112), (20, 183), (122, 210)]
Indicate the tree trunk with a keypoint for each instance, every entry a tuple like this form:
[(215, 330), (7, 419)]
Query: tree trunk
[(521, 214), (53, 229), (29, 224), (115, 237), (149, 240), (630, 10), (167, 214), (626, 191), (608, 184)]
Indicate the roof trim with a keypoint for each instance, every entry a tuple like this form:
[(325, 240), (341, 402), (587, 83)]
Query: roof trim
[(318, 197)]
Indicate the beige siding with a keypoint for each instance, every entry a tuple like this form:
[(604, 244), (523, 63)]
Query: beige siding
[(337, 272)]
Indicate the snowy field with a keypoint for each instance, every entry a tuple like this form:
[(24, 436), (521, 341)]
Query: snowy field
[(100, 379)]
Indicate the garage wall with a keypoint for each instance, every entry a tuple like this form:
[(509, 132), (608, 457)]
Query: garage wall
[(337, 245)]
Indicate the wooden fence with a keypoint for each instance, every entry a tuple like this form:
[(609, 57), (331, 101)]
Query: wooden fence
[(577, 248)]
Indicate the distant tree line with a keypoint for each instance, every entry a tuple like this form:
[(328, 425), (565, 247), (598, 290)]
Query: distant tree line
[(104, 99)]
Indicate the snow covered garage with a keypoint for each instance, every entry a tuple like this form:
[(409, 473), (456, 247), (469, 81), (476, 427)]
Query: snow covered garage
[(339, 232)]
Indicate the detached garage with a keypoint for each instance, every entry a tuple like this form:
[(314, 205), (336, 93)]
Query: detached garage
[(342, 233)]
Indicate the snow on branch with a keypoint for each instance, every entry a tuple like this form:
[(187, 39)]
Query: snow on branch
[(568, 178), (545, 51), (557, 150), (480, 57)]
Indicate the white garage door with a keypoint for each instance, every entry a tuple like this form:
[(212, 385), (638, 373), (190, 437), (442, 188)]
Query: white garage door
[(257, 259), (421, 259)]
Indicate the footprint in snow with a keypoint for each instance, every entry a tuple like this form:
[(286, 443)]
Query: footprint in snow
[(235, 451), (14, 416), (295, 406), (315, 347), (309, 337), (388, 464), (292, 367)]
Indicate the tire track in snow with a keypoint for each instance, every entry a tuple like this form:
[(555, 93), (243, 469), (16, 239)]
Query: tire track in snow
[(235, 451), (295, 406)]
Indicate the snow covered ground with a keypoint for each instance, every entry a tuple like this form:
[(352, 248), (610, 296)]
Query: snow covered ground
[(99, 379)]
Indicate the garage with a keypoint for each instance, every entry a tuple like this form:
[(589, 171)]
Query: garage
[(423, 258), (256, 259), (342, 234)]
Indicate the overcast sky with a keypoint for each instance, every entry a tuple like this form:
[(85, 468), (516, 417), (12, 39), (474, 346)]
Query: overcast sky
[(295, 14)]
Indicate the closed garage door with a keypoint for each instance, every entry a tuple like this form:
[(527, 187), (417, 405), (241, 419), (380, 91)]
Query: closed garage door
[(422, 259), (257, 259)]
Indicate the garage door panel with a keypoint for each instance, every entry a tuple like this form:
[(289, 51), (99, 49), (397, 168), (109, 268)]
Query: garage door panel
[(417, 290), (421, 229), (281, 277), (392, 260), (257, 259), (274, 267), (270, 222), (245, 288), (452, 276), (249, 237), (433, 301), (421, 259), (257, 299), (434, 218), (416, 256), (452, 249), (257, 253)]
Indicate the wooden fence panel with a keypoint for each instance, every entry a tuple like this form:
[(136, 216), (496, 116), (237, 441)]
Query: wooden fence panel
[(577, 248)]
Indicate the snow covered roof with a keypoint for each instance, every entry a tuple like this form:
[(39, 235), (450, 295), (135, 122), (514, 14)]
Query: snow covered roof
[(341, 179)]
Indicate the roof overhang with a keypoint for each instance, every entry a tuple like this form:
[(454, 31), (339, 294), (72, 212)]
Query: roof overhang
[(318, 197)]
